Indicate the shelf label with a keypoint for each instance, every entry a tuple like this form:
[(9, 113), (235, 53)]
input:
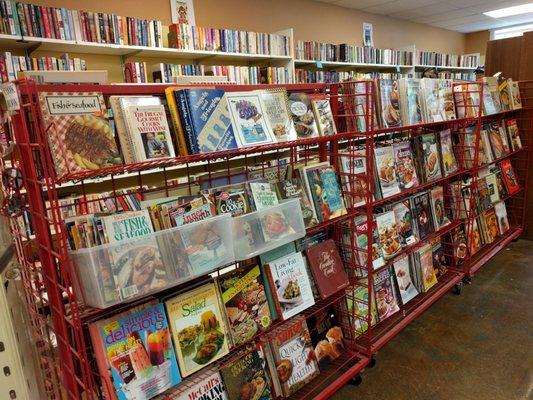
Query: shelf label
[(11, 97), (319, 64)]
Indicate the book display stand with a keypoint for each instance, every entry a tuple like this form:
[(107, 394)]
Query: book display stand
[(64, 290)]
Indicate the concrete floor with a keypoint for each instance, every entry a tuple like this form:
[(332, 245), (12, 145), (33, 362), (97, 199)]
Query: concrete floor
[(476, 346)]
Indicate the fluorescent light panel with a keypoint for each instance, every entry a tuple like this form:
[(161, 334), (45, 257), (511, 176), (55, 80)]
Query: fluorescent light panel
[(508, 11)]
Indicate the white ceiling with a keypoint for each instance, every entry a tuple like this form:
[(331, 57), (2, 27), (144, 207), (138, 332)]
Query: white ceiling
[(456, 15)]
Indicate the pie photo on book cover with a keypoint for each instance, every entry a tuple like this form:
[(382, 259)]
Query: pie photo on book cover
[(326, 336), (78, 132), (327, 267), (198, 328), (302, 115)]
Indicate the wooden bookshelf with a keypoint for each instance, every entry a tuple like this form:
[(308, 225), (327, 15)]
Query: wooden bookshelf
[(348, 65)]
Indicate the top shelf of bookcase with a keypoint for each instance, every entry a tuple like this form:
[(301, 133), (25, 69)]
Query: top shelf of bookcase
[(45, 44), (342, 64), (444, 67)]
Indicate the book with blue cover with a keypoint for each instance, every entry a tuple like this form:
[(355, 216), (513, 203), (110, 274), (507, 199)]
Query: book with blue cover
[(205, 119)]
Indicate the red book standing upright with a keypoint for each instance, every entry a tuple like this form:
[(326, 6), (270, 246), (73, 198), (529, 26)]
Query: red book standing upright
[(509, 177), (327, 268)]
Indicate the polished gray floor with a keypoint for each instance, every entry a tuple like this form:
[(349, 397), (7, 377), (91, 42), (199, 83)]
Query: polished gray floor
[(476, 346)]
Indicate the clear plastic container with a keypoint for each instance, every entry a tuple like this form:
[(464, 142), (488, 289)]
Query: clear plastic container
[(264, 230), (121, 272)]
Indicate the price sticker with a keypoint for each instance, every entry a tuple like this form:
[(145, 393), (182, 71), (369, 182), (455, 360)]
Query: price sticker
[(319, 64)]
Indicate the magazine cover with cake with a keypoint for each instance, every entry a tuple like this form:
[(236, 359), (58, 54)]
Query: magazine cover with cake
[(139, 352), (389, 102), (405, 166), (387, 303), (246, 376), (78, 131), (197, 325), (385, 168), (430, 154)]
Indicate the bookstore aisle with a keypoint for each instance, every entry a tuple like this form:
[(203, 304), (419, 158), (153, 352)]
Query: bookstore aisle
[(469, 347)]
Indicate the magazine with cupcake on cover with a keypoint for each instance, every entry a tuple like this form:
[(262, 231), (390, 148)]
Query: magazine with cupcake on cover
[(389, 103)]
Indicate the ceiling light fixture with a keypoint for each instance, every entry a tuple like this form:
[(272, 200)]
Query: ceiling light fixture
[(508, 11)]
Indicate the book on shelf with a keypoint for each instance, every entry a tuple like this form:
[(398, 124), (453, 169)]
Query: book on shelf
[(149, 131), (423, 215), (405, 166), (491, 225), (250, 121), (247, 376), (429, 100), (79, 133), (429, 157), (389, 102), (352, 166), (327, 268), (424, 258), (449, 161), (291, 284), (501, 216), (511, 89), (505, 95), (327, 336), (291, 359), (389, 239), (198, 328), (514, 134), (386, 172), (441, 261), (485, 153), (135, 72), (438, 209), (459, 243), (403, 279), (205, 120), (245, 302), (293, 188), (409, 104), (404, 222), (386, 297), (323, 114), (497, 138), (490, 85), (467, 100), (276, 106), (210, 386), (302, 115), (509, 178), (362, 231), (135, 359)]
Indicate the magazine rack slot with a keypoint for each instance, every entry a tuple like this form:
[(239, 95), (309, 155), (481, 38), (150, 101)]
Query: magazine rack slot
[(261, 231), (114, 273)]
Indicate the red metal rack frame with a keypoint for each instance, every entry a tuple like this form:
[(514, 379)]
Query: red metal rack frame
[(57, 311)]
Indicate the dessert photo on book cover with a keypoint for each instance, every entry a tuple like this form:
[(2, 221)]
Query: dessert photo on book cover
[(78, 131), (140, 354), (326, 336)]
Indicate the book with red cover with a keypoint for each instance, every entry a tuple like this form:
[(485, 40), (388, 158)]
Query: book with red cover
[(327, 268), (509, 177)]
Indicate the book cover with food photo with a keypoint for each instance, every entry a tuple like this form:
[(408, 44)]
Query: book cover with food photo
[(78, 131), (353, 167), (323, 114), (386, 171), (389, 239), (302, 115), (405, 165), (291, 284), (423, 215), (293, 357), (292, 189), (249, 119), (438, 210), (449, 162), (245, 301), (509, 177), (491, 222), (429, 279), (327, 268), (137, 263), (403, 279), (198, 329), (135, 347), (500, 148), (514, 134), (441, 261), (460, 248), (404, 222), (430, 154), (387, 303), (389, 103), (326, 336), (276, 104), (246, 376)]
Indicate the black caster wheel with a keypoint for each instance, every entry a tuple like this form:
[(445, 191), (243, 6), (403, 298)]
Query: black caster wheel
[(372, 362), (467, 280), (457, 289), (356, 380)]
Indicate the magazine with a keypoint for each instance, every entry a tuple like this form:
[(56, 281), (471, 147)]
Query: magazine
[(403, 279), (404, 222), (276, 105), (501, 215), (438, 210), (430, 154), (386, 171), (405, 166), (389, 239), (387, 303), (449, 162)]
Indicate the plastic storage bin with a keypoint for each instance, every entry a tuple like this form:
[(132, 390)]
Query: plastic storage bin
[(264, 230), (119, 272)]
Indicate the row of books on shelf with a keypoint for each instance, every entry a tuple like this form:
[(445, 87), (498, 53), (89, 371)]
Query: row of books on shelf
[(201, 324), (82, 26), (203, 120), (310, 50), (325, 76), (188, 37), (406, 164), (11, 66), (456, 76), (411, 101), (244, 75), (432, 58)]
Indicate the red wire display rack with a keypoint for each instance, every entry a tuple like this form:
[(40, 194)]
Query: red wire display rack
[(59, 316), (58, 313)]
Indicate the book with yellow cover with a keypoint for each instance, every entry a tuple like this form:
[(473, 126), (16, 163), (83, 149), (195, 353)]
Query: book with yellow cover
[(198, 328), (176, 123)]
